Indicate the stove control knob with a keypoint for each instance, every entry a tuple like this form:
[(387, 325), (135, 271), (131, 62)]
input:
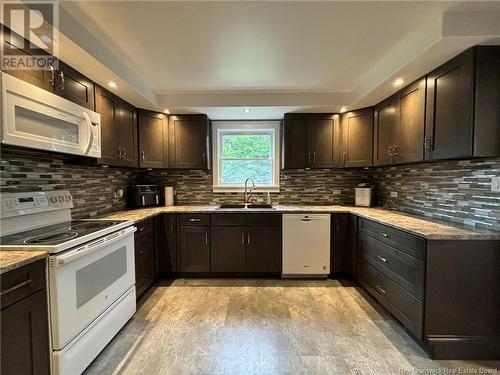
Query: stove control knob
[(53, 199), (60, 198)]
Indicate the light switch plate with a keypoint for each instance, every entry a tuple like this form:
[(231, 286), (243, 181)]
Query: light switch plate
[(394, 194), (495, 184), (337, 191)]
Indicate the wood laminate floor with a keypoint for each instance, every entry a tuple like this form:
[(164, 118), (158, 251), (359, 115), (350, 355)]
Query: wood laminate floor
[(233, 326)]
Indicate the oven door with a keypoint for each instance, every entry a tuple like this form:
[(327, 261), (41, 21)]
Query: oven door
[(35, 118), (85, 281)]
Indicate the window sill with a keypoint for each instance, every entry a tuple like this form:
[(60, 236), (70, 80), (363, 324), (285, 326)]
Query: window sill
[(241, 189)]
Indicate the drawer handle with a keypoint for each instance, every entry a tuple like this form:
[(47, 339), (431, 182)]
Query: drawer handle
[(382, 258), (24, 283), (384, 234), (242, 238), (381, 290), (142, 229), (194, 220)]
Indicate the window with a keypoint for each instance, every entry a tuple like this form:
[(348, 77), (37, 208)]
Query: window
[(245, 149)]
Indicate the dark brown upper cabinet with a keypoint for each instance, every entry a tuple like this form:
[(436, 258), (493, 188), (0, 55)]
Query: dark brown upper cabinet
[(65, 81), (462, 114), (399, 126), (189, 141), (118, 130), (308, 140), (74, 86), (153, 139), (357, 138)]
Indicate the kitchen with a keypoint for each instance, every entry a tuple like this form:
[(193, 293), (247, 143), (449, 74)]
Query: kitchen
[(250, 187)]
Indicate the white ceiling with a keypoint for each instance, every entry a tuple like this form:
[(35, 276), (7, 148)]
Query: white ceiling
[(223, 56)]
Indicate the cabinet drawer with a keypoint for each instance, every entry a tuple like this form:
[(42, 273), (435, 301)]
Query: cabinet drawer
[(21, 282), (405, 307), (228, 220), (407, 243), (194, 219), (405, 270), (263, 220), (143, 227)]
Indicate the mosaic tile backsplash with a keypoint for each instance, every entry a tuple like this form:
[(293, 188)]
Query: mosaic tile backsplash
[(297, 187), (92, 187), (457, 191)]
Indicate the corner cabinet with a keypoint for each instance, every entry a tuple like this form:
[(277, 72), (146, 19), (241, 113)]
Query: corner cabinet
[(24, 321), (462, 117), (153, 139), (308, 140), (357, 138), (118, 130), (189, 141)]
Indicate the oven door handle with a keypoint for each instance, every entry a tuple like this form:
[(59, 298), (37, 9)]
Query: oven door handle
[(71, 256)]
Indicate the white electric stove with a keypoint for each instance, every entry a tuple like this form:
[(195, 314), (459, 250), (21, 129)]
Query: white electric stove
[(91, 272)]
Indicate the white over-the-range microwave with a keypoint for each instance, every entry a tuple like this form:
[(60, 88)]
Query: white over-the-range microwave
[(35, 118)]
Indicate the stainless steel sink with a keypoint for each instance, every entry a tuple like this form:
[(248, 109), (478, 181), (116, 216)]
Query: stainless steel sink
[(233, 206)]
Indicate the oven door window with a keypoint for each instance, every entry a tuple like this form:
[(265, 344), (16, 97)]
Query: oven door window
[(96, 277)]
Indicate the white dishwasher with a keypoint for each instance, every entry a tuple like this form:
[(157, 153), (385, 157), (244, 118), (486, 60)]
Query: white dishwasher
[(306, 245)]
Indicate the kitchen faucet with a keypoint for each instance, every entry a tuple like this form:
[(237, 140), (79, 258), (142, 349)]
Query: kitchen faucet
[(248, 194)]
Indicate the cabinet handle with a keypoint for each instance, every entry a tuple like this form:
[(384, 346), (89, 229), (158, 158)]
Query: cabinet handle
[(344, 157), (141, 229), (382, 258), (52, 76), (172, 226), (143, 155), (380, 289), (124, 153), (206, 238), (242, 238), (61, 74), (395, 150), (384, 234), (248, 238), (204, 157), (309, 158), (118, 152), (428, 143), (314, 157), (194, 220), (20, 285)]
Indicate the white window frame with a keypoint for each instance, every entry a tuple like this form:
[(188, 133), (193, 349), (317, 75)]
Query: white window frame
[(245, 127)]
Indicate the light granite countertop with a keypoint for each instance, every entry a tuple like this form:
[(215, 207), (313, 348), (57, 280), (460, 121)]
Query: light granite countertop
[(12, 259), (423, 227)]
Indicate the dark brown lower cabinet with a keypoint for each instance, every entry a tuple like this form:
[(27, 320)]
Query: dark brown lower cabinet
[(343, 244), (144, 260), (263, 249), (228, 251), (24, 321), (194, 249), (166, 244)]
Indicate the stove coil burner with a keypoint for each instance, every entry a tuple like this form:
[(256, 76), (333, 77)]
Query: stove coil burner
[(51, 237)]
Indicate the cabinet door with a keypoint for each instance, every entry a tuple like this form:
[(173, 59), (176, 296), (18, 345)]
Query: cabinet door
[(320, 139), (127, 125), (166, 243), (144, 264), (152, 137), (449, 112), (194, 249), (16, 45), (264, 249), (74, 86), (342, 256), (228, 251), (294, 142), (189, 141), (385, 119), (110, 133), (357, 134), (409, 142), (25, 336)]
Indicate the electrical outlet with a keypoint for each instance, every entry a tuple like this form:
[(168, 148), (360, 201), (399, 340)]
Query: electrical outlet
[(394, 194), (337, 191), (495, 184)]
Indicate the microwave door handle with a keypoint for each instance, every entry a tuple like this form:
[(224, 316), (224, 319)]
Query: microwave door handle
[(89, 130), (71, 256)]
